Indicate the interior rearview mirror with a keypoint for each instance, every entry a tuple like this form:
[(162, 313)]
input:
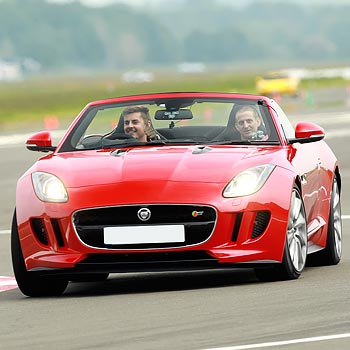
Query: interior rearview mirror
[(179, 114)]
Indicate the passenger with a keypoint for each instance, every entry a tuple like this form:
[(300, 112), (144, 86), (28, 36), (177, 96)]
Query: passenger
[(138, 124), (248, 123)]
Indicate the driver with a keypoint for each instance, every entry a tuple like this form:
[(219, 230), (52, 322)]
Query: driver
[(138, 124), (247, 122)]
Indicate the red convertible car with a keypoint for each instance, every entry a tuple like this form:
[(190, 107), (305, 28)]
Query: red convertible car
[(176, 181)]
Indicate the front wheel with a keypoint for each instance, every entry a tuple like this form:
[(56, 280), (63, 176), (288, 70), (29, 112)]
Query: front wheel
[(295, 247), (30, 283)]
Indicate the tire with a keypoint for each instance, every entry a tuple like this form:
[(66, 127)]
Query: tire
[(30, 283), (295, 247), (331, 254)]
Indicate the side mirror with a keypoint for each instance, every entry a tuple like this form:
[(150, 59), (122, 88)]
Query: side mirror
[(41, 142), (306, 132)]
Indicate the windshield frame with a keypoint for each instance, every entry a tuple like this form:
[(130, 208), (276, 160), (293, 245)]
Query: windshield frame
[(76, 133)]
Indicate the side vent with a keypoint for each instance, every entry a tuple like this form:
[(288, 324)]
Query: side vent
[(39, 230), (261, 221), (236, 227), (57, 230)]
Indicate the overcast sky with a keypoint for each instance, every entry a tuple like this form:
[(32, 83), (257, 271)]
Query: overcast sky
[(107, 2), (233, 2)]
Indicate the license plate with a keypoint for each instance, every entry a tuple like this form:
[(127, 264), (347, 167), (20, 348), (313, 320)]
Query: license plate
[(144, 234)]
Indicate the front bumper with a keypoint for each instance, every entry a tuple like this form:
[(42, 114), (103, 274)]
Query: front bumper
[(232, 231)]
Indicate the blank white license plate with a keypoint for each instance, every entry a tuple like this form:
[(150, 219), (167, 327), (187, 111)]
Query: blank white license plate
[(144, 234)]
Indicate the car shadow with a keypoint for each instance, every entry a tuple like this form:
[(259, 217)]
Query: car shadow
[(162, 282), (141, 283)]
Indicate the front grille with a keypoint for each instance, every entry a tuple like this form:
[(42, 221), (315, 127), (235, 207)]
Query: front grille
[(199, 222)]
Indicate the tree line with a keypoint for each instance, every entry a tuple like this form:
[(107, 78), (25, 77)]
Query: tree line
[(73, 36)]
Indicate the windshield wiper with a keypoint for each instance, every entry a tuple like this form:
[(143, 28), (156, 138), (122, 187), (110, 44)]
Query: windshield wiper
[(182, 142), (245, 142), (135, 143), (121, 143)]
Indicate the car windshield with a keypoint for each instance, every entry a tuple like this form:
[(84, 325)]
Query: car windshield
[(172, 121)]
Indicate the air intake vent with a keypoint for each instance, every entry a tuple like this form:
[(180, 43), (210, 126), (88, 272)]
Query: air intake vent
[(236, 227), (261, 221), (57, 230), (39, 230), (198, 222)]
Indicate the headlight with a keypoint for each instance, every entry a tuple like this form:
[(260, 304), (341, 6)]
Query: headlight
[(49, 188), (248, 181)]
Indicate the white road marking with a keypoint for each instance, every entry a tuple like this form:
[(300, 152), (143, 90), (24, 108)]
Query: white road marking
[(332, 134), (286, 342), (15, 140), (324, 118), (7, 283)]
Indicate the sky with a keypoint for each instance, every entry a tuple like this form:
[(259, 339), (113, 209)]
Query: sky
[(106, 2), (99, 3)]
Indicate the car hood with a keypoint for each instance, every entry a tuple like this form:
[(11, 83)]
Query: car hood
[(217, 164)]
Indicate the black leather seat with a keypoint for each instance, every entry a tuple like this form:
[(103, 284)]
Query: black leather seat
[(230, 132)]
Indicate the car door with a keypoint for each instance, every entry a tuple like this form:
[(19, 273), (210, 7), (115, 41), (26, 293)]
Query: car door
[(307, 162), (305, 158)]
